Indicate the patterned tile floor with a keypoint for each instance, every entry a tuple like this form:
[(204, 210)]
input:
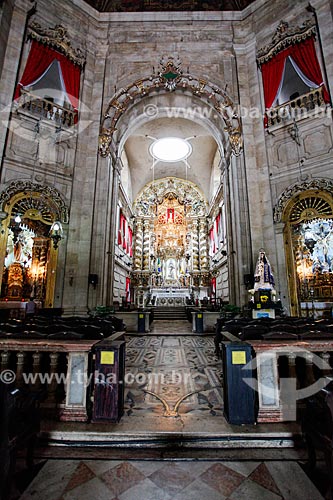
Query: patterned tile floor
[(166, 367), (162, 370), (166, 480), (171, 328)]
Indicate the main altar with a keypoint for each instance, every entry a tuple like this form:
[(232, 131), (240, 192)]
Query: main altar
[(170, 244)]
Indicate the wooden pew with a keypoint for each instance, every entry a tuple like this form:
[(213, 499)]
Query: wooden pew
[(317, 427), (20, 424)]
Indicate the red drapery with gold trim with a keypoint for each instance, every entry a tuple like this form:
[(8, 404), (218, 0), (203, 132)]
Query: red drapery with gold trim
[(304, 55), (39, 59)]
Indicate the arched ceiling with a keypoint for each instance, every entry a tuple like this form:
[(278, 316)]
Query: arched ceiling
[(200, 162), (167, 5)]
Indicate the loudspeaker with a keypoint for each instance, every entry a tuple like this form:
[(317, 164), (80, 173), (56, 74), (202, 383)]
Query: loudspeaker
[(93, 279), (248, 279)]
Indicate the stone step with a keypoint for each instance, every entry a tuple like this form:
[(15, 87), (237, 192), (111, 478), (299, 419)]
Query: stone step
[(165, 313), (88, 436)]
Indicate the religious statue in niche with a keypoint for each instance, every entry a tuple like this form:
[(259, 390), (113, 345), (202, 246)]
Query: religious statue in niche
[(25, 262), (263, 294), (313, 250), (171, 269)]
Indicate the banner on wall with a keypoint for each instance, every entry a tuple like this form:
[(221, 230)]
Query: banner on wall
[(213, 285), (127, 290)]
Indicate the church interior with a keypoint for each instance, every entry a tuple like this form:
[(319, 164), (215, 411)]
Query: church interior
[(166, 246)]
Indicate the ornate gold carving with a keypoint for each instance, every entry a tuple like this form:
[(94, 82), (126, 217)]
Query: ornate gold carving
[(309, 208), (15, 281), (285, 36), (56, 38), (170, 77), (297, 189), (46, 196), (185, 192)]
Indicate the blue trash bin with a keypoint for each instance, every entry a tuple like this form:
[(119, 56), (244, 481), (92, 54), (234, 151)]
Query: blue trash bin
[(199, 322), (141, 322)]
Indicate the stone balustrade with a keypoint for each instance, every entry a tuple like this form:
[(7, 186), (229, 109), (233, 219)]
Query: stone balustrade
[(296, 108), (278, 364), (46, 109), (59, 366)]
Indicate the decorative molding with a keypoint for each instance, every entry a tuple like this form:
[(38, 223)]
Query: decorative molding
[(311, 207), (155, 193), (57, 39), (296, 189), (167, 5), (50, 195), (285, 36), (170, 77)]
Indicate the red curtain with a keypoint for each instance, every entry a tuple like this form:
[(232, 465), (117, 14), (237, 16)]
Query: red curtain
[(272, 72), (130, 236), (304, 55), (71, 75), (212, 241), (213, 283), (127, 290), (39, 59), (124, 233), (121, 232)]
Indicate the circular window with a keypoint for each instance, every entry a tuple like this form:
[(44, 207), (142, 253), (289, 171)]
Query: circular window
[(170, 149)]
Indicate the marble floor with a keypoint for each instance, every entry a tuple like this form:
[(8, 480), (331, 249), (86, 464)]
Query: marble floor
[(166, 480), (178, 374), (175, 327), (173, 396)]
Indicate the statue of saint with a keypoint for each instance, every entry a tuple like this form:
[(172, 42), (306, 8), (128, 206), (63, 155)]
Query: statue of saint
[(263, 277)]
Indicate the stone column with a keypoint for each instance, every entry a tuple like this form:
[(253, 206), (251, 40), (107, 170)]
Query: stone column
[(11, 62), (324, 17), (112, 227), (21, 359), (39, 263), (268, 387), (281, 275), (75, 409), (254, 173), (89, 186)]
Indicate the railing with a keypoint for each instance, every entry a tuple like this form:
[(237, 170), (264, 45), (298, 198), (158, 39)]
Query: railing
[(61, 368), (46, 109), (297, 108), (287, 372)]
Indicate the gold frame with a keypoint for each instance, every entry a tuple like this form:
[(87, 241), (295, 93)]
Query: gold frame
[(289, 252), (53, 253)]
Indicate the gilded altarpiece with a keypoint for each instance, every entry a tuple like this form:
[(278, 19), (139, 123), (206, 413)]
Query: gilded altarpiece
[(309, 239), (29, 253), (170, 238)]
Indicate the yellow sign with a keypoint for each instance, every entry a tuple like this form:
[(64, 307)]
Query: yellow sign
[(200, 316), (107, 358), (238, 358), (141, 316)]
